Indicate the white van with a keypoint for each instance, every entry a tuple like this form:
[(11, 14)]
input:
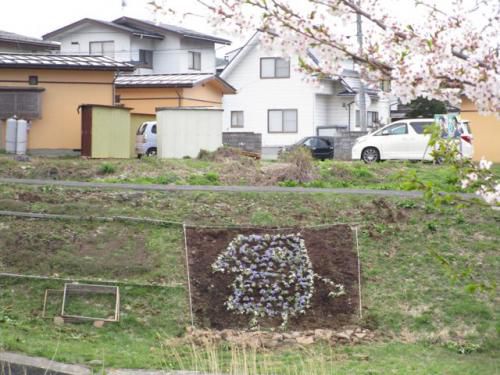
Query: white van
[(405, 140), (145, 140)]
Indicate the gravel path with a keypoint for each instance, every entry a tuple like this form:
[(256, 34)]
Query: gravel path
[(228, 189)]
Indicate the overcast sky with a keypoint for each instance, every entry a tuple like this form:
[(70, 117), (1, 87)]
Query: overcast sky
[(38, 17)]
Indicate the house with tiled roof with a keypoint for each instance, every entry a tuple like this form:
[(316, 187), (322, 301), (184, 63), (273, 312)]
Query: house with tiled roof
[(145, 93), (48, 90), (152, 48), (174, 66), (16, 43)]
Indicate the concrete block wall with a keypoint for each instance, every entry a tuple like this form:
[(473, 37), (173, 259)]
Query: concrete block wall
[(343, 144), (247, 141)]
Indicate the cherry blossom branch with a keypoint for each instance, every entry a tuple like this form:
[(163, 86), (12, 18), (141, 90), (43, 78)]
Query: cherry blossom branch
[(445, 58)]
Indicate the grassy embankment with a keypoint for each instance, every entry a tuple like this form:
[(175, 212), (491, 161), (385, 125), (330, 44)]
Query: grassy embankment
[(424, 321), (242, 171)]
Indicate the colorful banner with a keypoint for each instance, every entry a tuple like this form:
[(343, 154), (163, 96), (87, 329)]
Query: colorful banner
[(451, 126)]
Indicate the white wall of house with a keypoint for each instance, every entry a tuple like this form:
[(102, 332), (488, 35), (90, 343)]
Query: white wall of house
[(167, 54), (207, 50), (255, 96), (77, 41), (318, 105), (170, 55), (136, 44), (332, 110)]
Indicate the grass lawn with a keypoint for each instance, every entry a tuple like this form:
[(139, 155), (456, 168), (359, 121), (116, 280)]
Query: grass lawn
[(242, 171), (424, 318)]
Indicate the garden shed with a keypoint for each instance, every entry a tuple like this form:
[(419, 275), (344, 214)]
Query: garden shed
[(184, 131), (107, 132)]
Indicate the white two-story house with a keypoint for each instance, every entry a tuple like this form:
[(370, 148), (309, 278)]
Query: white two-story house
[(152, 48), (273, 99)]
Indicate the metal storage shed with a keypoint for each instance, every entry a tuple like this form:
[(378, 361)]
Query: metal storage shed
[(184, 131), (106, 132)]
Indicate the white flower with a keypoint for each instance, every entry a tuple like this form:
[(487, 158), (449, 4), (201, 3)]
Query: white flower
[(472, 176), (485, 164)]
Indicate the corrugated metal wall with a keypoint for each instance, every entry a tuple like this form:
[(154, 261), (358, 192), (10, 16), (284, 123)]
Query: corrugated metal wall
[(186, 131)]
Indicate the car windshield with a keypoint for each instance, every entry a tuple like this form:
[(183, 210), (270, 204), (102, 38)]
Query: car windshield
[(301, 142)]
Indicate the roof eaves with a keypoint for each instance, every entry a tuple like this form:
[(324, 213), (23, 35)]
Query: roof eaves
[(146, 35), (65, 67), (154, 85), (241, 49), (217, 79), (169, 28), (207, 38), (82, 21), (9, 37), (51, 46)]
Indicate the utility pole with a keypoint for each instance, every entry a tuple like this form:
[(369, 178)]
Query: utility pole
[(362, 102)]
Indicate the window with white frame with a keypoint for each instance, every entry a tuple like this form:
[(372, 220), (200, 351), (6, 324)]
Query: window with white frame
[(274, 67), (194, 60), (102, 48), (371, 119), (236, 119), (282, 121)]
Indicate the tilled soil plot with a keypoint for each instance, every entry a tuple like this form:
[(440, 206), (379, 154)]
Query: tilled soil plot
[(332, 254)]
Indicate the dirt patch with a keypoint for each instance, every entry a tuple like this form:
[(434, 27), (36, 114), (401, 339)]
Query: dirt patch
[(28, 196), (387, 212), (332, 256), (382, 217), (76, 249)]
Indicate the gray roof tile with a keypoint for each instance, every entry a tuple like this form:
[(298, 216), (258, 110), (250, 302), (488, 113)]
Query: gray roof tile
[(161, 80), (18, 38), (14, 60), (185, 80)]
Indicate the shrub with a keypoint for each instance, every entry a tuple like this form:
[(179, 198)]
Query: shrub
[(301, 167), (107, 168), (273, 276), (205, 155), (225, 153)]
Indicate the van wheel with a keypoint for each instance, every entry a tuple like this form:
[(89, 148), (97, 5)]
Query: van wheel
[(370, 155), (151, 151)]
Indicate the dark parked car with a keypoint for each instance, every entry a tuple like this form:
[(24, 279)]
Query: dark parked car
[(321, 147)]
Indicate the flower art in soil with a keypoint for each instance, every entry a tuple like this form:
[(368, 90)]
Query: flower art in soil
[(274, 276)]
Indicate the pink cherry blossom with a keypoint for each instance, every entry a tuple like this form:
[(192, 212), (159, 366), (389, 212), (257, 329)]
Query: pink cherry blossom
[(445, 56)]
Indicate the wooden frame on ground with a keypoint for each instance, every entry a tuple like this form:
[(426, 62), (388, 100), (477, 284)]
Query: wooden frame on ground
[(70, 288)]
